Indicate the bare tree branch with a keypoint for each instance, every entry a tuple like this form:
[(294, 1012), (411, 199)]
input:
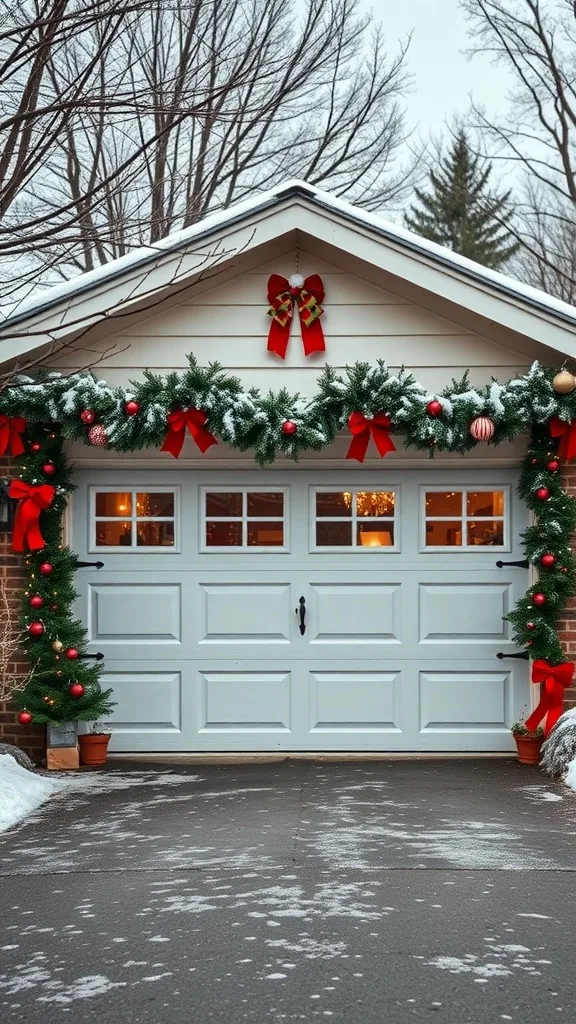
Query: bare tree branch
[(136, 119), (536, 41)]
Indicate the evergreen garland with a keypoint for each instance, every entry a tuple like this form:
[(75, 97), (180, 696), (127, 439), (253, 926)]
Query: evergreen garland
[(249, 420), (47, 694), (52, 405), (535, 627)]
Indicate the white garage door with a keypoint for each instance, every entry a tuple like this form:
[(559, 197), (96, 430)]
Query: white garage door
[(304, 610)]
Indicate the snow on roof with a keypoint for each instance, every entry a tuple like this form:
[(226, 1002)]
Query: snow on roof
[(295, 188)]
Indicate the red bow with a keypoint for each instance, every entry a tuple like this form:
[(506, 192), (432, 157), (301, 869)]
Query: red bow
[(10, 429), (194, 419), (567, 433), (32, 501), (362, 428), (282, 298), (555, 678)]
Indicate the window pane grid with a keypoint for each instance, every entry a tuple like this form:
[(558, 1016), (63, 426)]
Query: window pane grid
[(464, 529), (367, 522), (245, 526), (137, 526)]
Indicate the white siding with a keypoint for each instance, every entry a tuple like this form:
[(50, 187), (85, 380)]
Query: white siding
[(227, 321)]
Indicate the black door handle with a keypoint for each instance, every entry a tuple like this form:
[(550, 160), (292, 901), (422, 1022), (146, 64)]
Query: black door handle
[(301, 611)]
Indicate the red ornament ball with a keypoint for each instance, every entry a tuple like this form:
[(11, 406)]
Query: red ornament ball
[(36, 629), (543, 494), (24, 718), (49, 468), (482, 428), (529, 625), (35, 447), (434, 408), (76, 690), (36, 601), (132, 408), (553, 465), (88, 416), (72, 654), (98, 436), (548, 560), (289, 427), (46, 568), (538, 599)]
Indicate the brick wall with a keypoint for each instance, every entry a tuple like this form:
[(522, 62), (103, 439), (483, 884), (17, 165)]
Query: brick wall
[(29, 737)]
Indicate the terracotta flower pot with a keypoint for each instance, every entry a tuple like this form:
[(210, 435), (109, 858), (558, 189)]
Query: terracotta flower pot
[(94, 748), (528, 748)]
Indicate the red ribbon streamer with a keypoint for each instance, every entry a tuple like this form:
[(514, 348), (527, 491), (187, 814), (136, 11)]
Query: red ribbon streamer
[(567, 434), (307, 297), (32, 500), (10, 429), (194, 419), (555, 678), (362, 429)]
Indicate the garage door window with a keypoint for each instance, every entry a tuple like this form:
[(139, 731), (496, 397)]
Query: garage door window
[(465, 518), (133, 519), (354, 519), (242, 519)]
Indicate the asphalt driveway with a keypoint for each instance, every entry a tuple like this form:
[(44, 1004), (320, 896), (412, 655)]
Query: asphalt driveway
[(357, 893)]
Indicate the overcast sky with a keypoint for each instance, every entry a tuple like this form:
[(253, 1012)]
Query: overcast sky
[(443, 76)]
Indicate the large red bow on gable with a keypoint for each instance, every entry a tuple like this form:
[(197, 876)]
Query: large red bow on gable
[(567, 434), (307, 296), (194, 419), (362, 429), (32, 500), (555, 678), (10, 429)]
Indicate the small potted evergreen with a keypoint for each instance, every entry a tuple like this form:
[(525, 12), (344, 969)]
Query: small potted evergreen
[(94, 745), (528, 742)]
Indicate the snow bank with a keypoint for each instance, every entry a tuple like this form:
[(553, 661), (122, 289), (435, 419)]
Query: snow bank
[(570, 777), (559, 750), (21, 791)]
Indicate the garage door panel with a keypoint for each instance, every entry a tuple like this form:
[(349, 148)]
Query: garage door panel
[(151, 705), (464, 612), (245, 613), (458, 700), (353, 612), (247, 701), (135, 613), (350, 700)]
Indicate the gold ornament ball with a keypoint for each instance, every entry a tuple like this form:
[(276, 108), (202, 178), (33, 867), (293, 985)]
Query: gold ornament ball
[(57, 645), (564, 382)]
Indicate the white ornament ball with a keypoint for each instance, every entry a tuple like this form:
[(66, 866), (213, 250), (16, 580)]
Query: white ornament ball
[(482, 428), (564, 382), (296, 281), (98, 436)]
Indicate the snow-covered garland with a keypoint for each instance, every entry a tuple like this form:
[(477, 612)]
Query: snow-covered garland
[(248, 420), (369, 401)]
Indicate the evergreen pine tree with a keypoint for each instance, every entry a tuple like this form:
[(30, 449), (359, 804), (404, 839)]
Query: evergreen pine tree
[(460, 212)]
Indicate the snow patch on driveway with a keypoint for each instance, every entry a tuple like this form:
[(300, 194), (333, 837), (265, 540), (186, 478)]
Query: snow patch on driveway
[(21, 791), (499, 961)]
